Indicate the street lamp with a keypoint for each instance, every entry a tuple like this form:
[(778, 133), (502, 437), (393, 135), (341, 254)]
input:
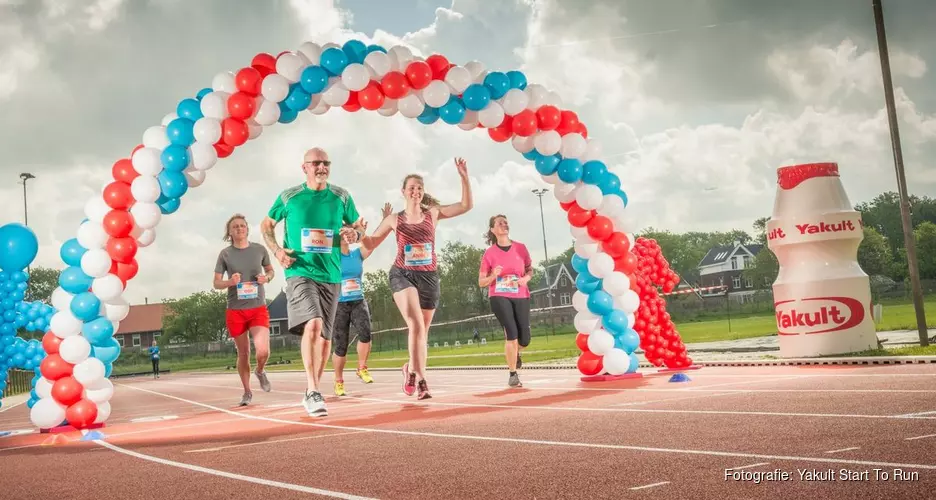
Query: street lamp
[(26, 176), (540, 193)]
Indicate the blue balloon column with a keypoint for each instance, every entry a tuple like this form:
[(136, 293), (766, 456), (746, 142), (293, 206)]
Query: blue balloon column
[(18, 248)]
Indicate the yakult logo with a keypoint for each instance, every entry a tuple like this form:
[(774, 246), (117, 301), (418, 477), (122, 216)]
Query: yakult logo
[(822, 227), (818, 315)]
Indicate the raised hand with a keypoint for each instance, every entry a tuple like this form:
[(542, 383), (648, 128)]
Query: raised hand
[(387, 210), (462, 166)]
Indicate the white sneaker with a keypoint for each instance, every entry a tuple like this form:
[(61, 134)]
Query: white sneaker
[(314, 404)]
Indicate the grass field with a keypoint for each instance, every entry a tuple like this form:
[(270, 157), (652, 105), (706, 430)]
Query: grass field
[(559, 346)]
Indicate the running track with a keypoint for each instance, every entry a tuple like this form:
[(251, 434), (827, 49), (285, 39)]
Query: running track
[(181, 437)]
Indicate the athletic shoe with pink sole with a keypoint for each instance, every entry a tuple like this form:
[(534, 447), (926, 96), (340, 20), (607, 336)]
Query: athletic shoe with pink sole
[(409, 381)]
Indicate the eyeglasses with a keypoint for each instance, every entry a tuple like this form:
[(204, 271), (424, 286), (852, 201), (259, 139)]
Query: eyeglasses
[(316, 163)]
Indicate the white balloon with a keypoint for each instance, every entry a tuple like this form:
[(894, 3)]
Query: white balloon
[(600, 342), (475, 68), (623, 222), (514, 101), (64, 324), (553, 99), (254, 130), (436, 94), (580, 233), (207, 130), (268, 112), (43, 387), (564, 192), (145, 189), (224, 82), (522, 144), (203, 155), (89, 371), (274, 87), (627, 302), (630, 238), (580, 301), (411, 105), (96, 263), (336, 94), (195, 178), (103, 412), (630, 317), (107, 288), (144, 237), (290, 66), (74, 349), (117, 309), (585, 250), (47, 413), (61, 299), (214, 105), (573, 146), (592, 150), (355, 77), (116, 325), (552, 178), (146, 161), (585, 321), (312, 52), (400, 56), (96, 208), (547, 142), (100, 391), (588, 196), (146, 215), (168, 119), (492, 115), (536, 96), (321, 107), (91, 235), (600, 265), (611, 205), (378, 64), (458, 79), (389, 107), (616, 361), (155, 137), (615, 283)]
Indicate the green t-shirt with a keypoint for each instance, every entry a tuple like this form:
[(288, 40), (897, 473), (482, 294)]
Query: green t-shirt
[(313, 221)]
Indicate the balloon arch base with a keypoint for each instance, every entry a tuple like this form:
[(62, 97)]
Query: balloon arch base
[(673, 370), (611, 378), (61, 429)]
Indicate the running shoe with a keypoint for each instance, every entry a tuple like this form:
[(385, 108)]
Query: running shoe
[(339, 388), (246, 399), (424, 390), (514, 380), (409, 381), (264, 381), (314, 404), (365, 375)]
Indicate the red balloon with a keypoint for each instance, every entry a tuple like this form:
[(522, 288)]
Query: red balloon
[(394, 85), (371, 98), (567, 205), (118, 223), (53, 367), (121, 250), (127, 271), (548, 117), (419, 74), (135, 149), (353, 103), (600, 228), (51, 343), (234, 132), (581, 340), (241, 105), (264, 62), (123, 171), (502, 132), (578, 216), (81, 414), (439, 66), (626, 264), (582, 130), (248, 81), (223, 149), (118, 195), (616, 245), (568, 123), (524, 123), (113, 267), (67, 391), (589, 364)]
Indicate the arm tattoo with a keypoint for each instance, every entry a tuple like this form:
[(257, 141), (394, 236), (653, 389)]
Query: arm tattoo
[(269, 237)]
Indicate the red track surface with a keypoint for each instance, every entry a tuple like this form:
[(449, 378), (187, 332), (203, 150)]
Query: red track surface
[(555, 438)]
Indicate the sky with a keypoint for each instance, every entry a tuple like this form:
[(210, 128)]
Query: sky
[(696, 104)]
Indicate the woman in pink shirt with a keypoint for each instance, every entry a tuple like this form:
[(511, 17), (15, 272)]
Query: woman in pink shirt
[(506, 268)]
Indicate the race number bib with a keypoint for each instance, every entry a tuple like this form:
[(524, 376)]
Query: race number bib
[(351, 289), (156, 356), (247, 290), (417, 255), (507, 284), (317, 240)]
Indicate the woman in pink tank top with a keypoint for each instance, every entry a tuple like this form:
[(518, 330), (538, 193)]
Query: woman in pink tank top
[(414, 276)]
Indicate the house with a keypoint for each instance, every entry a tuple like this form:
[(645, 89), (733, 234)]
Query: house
[(557, 286), (724, 265), (279, 322), (142, 325)]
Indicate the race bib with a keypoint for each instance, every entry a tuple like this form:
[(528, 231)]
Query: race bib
[(247, 290), (417, 255), (155, 356), (317, 240), (351, 289), (507, 284)]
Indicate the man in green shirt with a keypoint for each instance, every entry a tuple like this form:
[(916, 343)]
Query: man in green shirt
[(314, 213)]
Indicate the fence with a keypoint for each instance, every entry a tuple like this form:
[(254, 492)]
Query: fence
[(18, 382)]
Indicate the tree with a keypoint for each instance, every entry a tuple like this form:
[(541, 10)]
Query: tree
[(200, 317), (764, 267), (380, 299), (874, 253), (458, 273), (42, 282), (925, 235), (685, 251), (883, 214)]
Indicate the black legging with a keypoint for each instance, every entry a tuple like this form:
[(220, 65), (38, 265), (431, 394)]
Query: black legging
[(514, 316), (155, 366)]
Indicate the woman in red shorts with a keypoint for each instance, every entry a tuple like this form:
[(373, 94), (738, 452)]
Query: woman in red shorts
[(248, 268)]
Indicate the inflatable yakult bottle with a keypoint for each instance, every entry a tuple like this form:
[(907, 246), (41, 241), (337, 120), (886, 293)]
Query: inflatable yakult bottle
[(822, 297)]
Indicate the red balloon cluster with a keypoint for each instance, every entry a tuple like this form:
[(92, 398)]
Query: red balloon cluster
[(528, 122), (658, 336), (66, 390)]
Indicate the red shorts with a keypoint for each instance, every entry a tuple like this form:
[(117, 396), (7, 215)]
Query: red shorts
[(241, 320)]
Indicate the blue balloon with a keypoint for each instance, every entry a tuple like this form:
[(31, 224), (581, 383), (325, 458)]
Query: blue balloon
[(31, 403), (498, 83), (623, 196), (298, 99), (615, 322), (476, 97), (452, 112), (9, 287), (610, 184), (334, 60), (19, 360), (634, 363), (18, 246), (107, 351), (428, 116), (627, 341), (19, 277), (108, 368), (74, 281), (579, 263), (190, 109), (170, 206), (288, 116), (376, 48), (356, 50), (586, 283), (570, 170), (181, 132), (314, 79), (593, 172), (10, 316), (517, 80), (175, 158), (6, 331), (600, 302), (97, 331), (201, 93), (547, 165), (532, 155), (85, 306), (7, 304), (172, 184)]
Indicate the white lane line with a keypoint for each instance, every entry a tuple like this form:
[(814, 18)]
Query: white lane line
[(320, 436), (844, 449), (654, 485), (229, 475), (918, 414), (759, 464), (14, 405), (397, 432), (682, 398), (157, 418), (920, 437)]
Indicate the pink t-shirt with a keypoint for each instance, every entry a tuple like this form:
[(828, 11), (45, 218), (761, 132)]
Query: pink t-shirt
[(514, 263)]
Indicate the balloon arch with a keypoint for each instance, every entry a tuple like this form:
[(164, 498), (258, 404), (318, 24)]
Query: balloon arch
[(617, 303)]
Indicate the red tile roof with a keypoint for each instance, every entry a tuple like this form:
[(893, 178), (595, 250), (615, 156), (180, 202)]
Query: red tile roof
[(142, 318)]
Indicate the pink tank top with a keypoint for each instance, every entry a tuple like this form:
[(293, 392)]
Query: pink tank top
[(415, 244)]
